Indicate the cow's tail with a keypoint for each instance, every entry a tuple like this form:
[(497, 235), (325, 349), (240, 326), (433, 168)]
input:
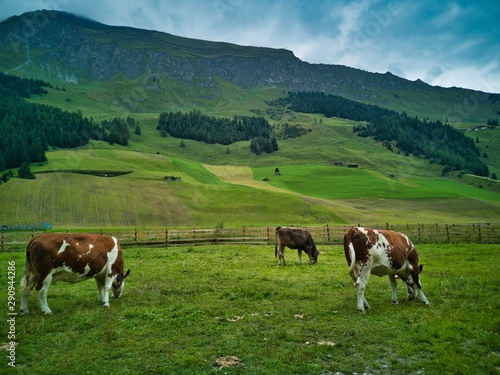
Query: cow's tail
[(276, 244), (350, 255), (28, 269)]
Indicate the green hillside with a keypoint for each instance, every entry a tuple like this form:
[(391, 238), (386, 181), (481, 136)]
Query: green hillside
[(311, 189)]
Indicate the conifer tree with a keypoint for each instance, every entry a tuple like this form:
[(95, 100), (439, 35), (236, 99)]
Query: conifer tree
[(25, 172)]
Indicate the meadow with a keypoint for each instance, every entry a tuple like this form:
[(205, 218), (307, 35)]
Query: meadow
[(226, 188), (183, 308)]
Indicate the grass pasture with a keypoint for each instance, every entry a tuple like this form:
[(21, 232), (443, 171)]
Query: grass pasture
[(185, 307), (352, 183)]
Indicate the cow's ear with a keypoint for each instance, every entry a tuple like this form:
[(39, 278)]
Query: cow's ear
[(126, 274), (420, 268)]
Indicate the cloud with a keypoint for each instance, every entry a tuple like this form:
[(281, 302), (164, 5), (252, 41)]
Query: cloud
[(447, 43)]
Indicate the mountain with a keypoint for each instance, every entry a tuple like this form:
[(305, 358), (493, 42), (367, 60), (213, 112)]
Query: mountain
[(74, 48), (59, 46)]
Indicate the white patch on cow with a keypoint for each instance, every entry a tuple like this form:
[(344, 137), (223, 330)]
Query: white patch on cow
[(65, 273), (113, 254), (86, 270), (63, 247), (88, 252), (408, 242)]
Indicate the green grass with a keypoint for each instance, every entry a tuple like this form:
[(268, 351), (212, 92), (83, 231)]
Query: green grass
[(350, 183), (185, 307)]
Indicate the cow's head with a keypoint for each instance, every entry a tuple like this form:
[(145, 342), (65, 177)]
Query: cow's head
[(119, 283), (313, 255)]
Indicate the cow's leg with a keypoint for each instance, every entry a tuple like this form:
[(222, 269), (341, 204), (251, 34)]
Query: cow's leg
[(281, 256), (418, 292), (392, 280), (28, 281), (299, 251), (24, 301), (100, 286), (410, 291), (104, 287), (43, 289), (422, 296), (361, 282)]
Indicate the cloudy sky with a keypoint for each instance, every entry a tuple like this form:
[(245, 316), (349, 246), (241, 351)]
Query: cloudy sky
[(445, 43)]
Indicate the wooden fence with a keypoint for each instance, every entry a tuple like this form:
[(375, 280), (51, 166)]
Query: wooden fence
[(323, 235)]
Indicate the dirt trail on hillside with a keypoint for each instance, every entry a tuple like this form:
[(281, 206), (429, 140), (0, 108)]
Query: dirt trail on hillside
[(242, 176)]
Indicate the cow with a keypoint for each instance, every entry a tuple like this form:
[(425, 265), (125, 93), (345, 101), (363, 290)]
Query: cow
[(382, 253), (295, 238), (73, 258)]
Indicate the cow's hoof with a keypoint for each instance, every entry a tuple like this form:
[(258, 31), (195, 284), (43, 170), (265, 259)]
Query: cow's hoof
[(23, 312), (394, 302), (49, 312), (105, 305), (361, 311)]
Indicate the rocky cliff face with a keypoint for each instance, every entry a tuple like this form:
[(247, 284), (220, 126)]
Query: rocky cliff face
[(63, 46)]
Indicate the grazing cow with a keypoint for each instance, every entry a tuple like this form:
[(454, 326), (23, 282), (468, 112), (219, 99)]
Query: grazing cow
[(382, 252), (295, 238), (72, 257)]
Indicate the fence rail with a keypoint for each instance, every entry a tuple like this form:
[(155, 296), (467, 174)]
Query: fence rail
[(322, 235)]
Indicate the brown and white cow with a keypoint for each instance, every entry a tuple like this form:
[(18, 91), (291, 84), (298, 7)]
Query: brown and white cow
[(295, 238), (382, 252), (72, 257)]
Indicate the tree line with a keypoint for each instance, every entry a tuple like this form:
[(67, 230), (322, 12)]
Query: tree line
[(12, 86), (439, 142), (27, 130), (332, 106), (221, 130)]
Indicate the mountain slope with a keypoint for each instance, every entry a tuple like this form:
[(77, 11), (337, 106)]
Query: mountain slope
[(62, 47)]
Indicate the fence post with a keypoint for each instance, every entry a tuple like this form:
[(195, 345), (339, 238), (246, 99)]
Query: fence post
[(194, 235), (268, 234), (244, 233), (166, 236), (327, 233), (447, 234), (479, 232), (135, 236), (3, 249)]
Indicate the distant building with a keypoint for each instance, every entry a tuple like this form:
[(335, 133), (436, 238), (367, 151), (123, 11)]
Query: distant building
[(172, 178)]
